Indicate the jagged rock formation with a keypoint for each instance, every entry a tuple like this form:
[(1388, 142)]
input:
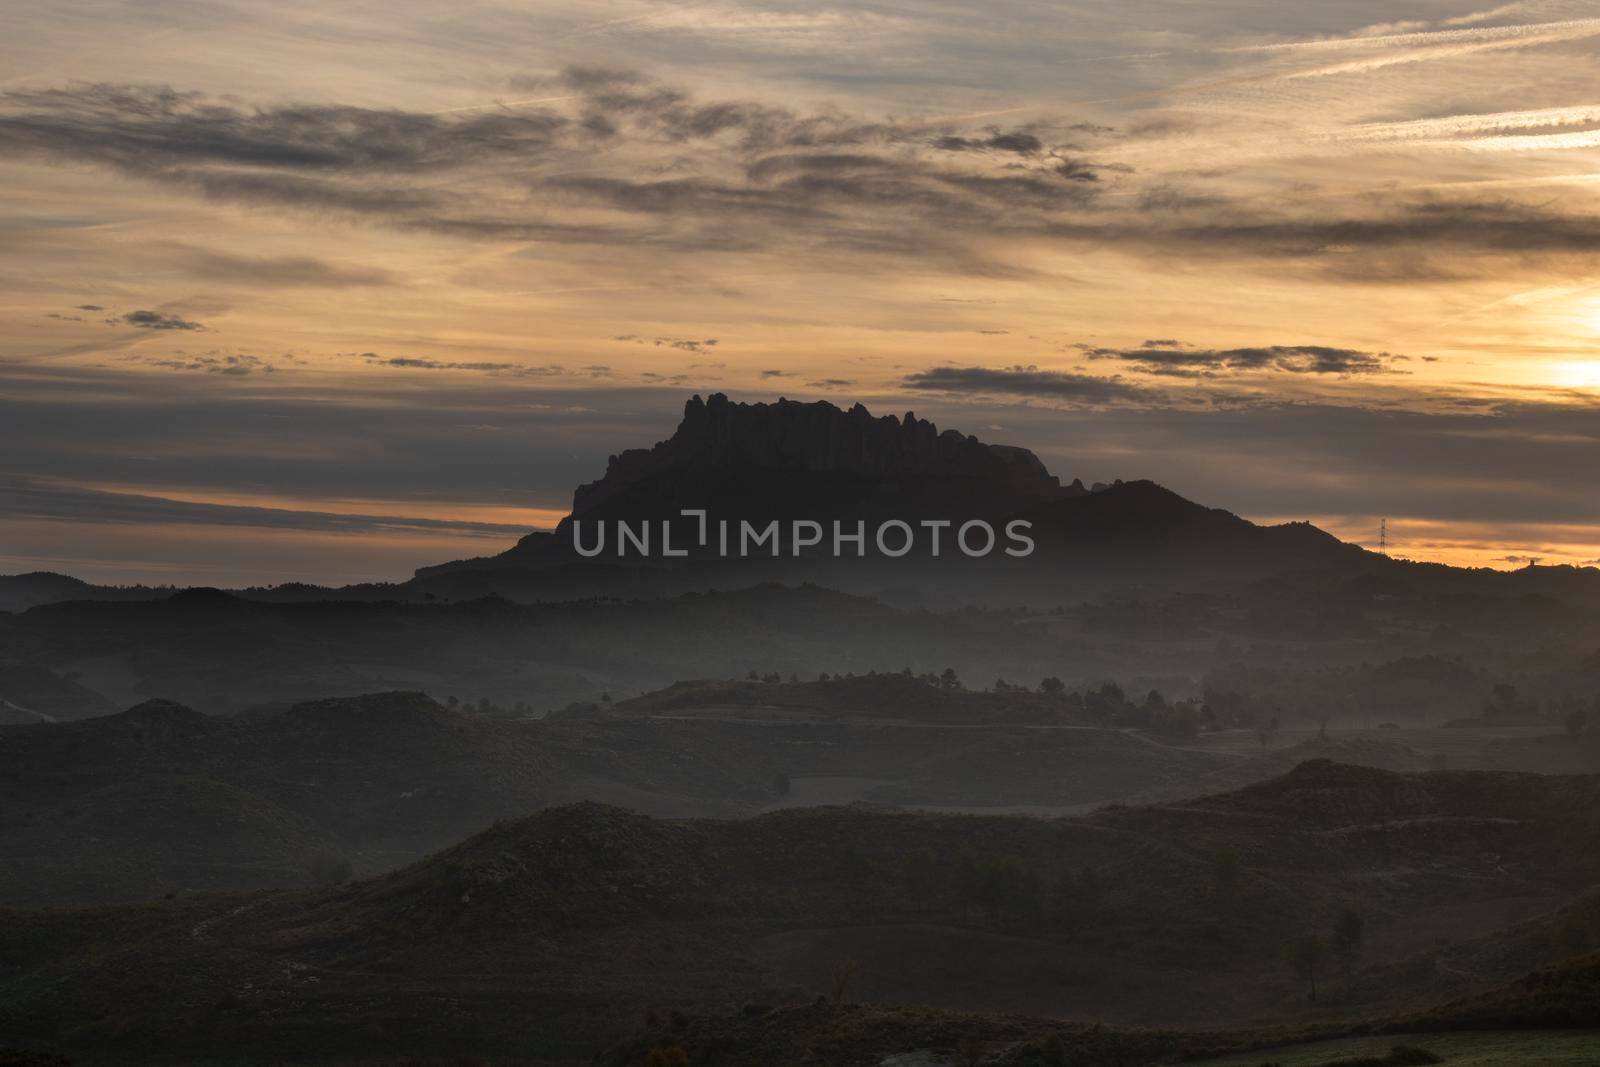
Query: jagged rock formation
[(792, 459)]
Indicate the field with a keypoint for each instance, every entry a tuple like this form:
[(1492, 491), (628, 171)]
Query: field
[(1524, 1048)]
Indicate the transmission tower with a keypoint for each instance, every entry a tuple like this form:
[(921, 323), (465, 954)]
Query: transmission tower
[(1383, 536)]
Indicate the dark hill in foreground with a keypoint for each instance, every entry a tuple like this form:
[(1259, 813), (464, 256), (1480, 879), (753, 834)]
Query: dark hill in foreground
[(549, 935), (161, 798)]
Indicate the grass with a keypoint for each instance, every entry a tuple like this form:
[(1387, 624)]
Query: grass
[(1526, 1048)]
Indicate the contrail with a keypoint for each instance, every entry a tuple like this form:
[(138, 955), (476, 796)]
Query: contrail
[(1482, 122), (1532, 142), (1568, 31), (1421, 37)]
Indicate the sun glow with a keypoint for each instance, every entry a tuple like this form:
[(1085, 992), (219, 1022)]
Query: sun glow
[(1578, 374)]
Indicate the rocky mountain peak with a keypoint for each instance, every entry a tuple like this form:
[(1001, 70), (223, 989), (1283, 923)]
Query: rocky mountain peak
[(825, 457)]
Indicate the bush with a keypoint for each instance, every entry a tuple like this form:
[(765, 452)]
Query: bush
[(1398, 1056)]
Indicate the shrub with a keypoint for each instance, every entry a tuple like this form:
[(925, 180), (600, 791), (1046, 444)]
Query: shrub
[(673, 1055), (1398, 1056)]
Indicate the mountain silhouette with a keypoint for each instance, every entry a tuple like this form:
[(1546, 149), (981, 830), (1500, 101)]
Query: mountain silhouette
[(795, 460), (787, 461)]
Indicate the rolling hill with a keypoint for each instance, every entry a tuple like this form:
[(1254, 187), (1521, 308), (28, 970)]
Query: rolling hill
[(547, 936)]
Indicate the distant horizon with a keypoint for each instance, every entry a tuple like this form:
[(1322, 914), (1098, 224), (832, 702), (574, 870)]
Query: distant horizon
[(420, 533)]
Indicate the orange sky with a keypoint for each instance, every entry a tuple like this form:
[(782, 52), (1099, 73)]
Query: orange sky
[(390, 260)]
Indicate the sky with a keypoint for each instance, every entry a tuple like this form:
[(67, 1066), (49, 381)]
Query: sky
[(329, 291)]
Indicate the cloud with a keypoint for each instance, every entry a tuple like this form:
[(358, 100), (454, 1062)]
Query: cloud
[(682, 344), (620, 159), (234, 366), (588, 169), (74, 423), (155, 320), (497, 367), (144, 129), (1175, 358), (1019, 142), (1028, 381), (1378, 241), (278, 272), (515, 370), (34, 498)]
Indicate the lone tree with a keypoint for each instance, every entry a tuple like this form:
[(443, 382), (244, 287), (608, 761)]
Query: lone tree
[(843, 972), (1307, 956), (1266, 730), (1576, 719), (1348, 932), (1052, 686)]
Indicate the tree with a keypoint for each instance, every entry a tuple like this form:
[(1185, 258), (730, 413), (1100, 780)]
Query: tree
[(1348, 932), (1225, 865), (1577, 718), (949, 679), (1052, 686), (670, 1055), (843, 972), (1307, 955), (1266, 730)]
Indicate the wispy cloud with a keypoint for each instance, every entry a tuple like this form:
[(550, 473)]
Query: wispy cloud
[(1169, 357), (155, 320)]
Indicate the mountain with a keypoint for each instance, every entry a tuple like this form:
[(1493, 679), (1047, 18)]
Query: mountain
[(161, 798), (790, 461), (786, 462), (19, 592), (549, 936), (795, 460), (30, 693)]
